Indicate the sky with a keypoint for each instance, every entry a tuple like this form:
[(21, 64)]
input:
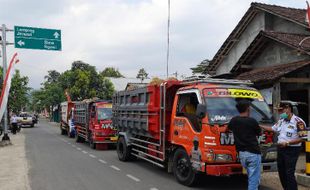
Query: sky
[(125, 34)]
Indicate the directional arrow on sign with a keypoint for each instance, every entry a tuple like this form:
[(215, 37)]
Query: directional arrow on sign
[(21, 43), (56, 34)]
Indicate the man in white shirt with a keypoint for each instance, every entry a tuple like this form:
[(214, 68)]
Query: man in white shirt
[(14, 123), (291, 130)]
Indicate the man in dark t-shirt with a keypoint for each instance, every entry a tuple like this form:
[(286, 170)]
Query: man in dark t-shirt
[(246, 130)]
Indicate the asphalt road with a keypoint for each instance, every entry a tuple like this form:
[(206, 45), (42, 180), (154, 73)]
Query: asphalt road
[(58, 163)]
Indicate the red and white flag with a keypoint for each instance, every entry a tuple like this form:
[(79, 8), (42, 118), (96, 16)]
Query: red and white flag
[(7, 85), (308, 14)]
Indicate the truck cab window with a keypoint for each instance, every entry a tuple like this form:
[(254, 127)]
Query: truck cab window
[(186, 107)]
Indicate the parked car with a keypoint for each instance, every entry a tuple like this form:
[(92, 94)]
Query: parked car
[(26, 119)]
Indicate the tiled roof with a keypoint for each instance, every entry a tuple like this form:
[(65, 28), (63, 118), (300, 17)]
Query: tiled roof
[(297, 15), (273, 72), (292, 14), (290, 39)]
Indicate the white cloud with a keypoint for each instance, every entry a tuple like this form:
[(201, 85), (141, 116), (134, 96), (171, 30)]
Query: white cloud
[(127, 34)]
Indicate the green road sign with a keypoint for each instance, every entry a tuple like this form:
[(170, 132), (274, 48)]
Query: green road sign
[(37, 38)]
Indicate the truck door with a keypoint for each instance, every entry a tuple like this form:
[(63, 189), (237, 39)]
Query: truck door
[(185, 123), (92, 117)]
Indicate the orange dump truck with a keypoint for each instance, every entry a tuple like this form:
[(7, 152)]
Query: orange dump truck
[(154, 126)]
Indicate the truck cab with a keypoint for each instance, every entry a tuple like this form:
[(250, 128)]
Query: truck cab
[(93, 122), (101, 123), (204, 134)]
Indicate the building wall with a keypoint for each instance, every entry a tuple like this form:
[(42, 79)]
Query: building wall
[(276, 54), (257, 24), (275, 23)]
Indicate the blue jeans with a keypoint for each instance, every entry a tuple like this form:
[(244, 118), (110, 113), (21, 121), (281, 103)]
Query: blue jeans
[(252, 163)]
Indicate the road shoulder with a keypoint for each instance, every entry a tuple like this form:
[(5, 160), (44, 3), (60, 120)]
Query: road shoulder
[(13, 164)]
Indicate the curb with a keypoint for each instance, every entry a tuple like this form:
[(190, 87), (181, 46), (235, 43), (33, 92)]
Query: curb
[(303, 179)]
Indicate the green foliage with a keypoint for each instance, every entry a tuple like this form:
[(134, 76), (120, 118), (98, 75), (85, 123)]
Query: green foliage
[(201, 67), (82, 81), (142, 74), (111, 72), (18, 97)]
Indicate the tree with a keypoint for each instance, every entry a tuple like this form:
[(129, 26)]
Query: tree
[(142, 74), (52, 76), (18, 96), (83, 82), (201, 67), (111, 72)]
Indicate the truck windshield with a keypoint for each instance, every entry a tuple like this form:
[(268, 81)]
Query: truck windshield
[(222, 109), (104, 113)]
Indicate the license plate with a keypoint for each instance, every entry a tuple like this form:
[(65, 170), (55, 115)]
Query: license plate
[(113, 138)]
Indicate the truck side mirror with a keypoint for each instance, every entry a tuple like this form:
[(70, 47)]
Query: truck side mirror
[(201, 111)]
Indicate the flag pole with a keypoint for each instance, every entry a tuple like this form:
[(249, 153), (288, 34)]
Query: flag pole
[(4, 59)]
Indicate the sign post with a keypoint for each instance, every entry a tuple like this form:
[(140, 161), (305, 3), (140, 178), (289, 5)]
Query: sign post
[(37, 38), (4, 44)]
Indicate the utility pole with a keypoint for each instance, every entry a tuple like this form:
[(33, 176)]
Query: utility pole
[(175, 74), (168, 40), (4, 43)]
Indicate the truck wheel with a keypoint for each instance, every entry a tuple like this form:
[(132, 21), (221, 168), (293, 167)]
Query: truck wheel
[(123, 151), (91, 141), (78, 139), (92, 144), (63, 132), (182, 168)]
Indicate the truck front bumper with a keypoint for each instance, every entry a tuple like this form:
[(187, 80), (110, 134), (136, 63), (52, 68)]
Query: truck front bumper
[(223, 170), (104, 139), (232, 169)]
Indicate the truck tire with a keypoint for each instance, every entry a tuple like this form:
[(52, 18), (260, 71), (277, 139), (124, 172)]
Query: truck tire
[(91, 141), (62, 131), (182, 168), (78, 138), (92, 144), (123, 151)]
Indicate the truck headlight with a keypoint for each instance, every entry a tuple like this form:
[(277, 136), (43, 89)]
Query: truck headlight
[(271, 155), (223, 158)]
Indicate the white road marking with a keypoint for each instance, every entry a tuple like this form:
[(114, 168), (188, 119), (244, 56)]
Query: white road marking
[(115, 168), (84, 152), (69, 143), (78, 148), (93, 156), (153, 188), (133, 178), (102, 161), (73, 146)]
